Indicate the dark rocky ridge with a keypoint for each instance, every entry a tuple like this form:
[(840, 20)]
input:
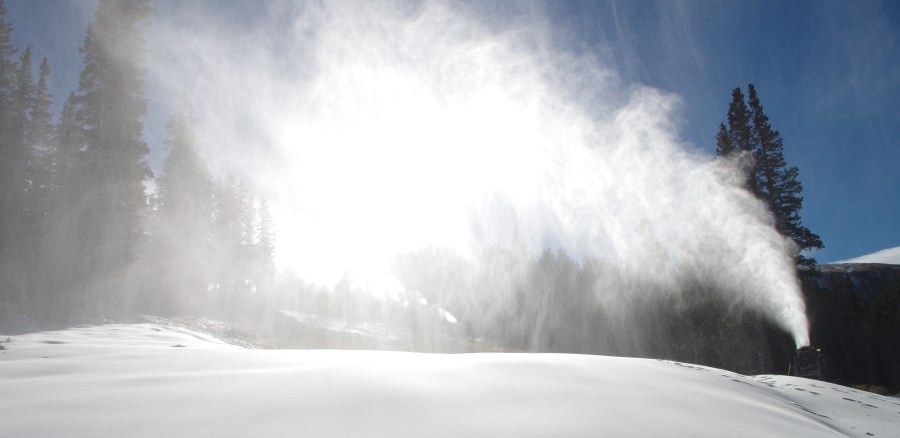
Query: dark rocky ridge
[(854, 312)]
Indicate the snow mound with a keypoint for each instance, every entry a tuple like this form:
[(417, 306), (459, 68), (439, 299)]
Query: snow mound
[(154, 380), (890, 256)]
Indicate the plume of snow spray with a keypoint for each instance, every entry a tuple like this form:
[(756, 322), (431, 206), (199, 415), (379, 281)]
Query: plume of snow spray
[(375, 130)]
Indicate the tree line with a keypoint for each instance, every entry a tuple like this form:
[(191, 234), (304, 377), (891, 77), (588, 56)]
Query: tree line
[(510, 300), (80, 237)]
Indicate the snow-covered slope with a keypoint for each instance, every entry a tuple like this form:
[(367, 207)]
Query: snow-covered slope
[(154, 380), (379, 332), (890, 256)]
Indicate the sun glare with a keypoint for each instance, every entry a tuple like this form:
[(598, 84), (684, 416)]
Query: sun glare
[(396, 161)]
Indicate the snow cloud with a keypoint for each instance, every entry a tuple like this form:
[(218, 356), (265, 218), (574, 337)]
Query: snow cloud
[(375, 129)]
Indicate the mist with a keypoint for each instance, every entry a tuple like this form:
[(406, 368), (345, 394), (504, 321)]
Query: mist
[(427, 176), (380, 130)]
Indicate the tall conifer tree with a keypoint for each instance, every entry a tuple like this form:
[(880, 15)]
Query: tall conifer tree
[(750, 138), (10, 162), (779, 184), (44, 190), (183, 223), (40, 132), (108, 109), (265, 245)]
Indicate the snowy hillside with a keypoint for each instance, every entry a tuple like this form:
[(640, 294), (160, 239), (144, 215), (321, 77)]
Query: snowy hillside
[(890, 256), (156, 380)]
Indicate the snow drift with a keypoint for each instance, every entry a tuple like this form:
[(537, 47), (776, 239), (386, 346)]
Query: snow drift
[(154, 380)]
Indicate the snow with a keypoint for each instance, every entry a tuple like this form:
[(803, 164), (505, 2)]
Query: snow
[(156, 380), (890, 256), (374, 330)]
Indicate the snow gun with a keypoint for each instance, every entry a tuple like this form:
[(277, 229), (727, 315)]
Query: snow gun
[(808, 363)]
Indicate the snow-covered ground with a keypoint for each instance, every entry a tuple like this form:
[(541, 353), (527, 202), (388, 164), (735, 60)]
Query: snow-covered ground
[(890, 256), (156, 380), (381, 332)]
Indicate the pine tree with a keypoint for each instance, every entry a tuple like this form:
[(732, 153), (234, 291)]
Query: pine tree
[(750, 139), (27, 216), (243, 258), (22, 101), (232, 237), (18, 209), (108, 108), (779, 184), (40, 137), (265, 245), (22, 105), (64, 261), (7, 64), (70, 153), (8, 146), (724, 148), (739, 142), (183, 223), (11, 166), (8, 71)]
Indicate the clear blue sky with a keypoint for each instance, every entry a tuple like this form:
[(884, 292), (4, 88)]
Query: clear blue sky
[(827, 72)]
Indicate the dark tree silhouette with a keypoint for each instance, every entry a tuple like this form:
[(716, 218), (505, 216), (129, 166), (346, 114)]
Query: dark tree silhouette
[(779, 185), (750, 139)]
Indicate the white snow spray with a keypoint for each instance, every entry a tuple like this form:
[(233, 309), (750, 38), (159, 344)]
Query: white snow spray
[(379, 129)]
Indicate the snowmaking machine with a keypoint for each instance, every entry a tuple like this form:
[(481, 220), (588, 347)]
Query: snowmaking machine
[(808, 363)]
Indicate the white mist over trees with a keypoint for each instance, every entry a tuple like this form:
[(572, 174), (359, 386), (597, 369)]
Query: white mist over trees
[(80, 240), (182, 241), (417, 168), (110, 156)]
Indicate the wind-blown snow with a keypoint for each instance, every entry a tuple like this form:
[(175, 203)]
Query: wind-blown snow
[(348, 327), (890, 256), (153, 380)]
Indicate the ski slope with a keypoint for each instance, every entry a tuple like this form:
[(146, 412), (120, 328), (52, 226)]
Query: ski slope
[(889, 256), (158, 380)]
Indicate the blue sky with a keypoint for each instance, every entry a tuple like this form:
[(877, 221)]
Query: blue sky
[(828, 76), (827, 72)]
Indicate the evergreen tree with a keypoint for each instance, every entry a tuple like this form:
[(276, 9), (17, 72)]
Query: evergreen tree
[(70, 154), (44, 190), (8, 76), (25, 135), (18, 211), (12, 157), (779, 184), (108, 108), (724, 148), (7, 66), (750, 138), (40, 135), (232, 238), (22, 109), (183, 223), (22, 101), (264, 265), (68, 207), (739, 141), (26, 215)]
